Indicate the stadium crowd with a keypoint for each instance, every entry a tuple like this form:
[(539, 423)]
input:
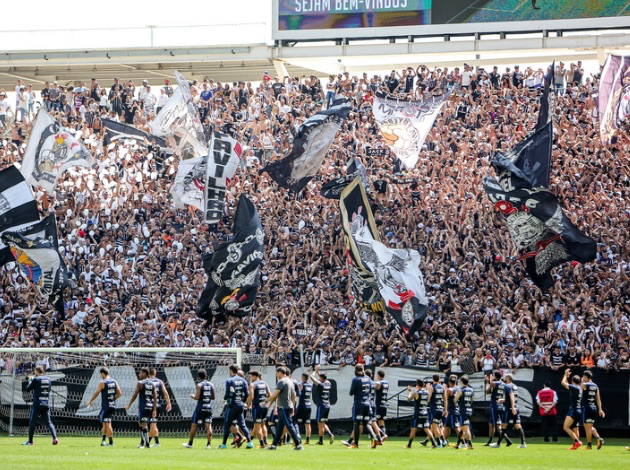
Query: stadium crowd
[(136, 260)]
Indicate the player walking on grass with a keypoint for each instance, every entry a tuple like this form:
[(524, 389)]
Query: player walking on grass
[(40, 385), (464, 397), (162, 393), (236, 394), (303, 412), (258, 393), (437, 412), (452, 405), (360, 390), (147, 405), (513, 416), (421, 418), (286, 398), (109, 391), (574, 416), (322, 389), (372, 421), (204, 394), (592, 408), (382, 389), (498, 399)]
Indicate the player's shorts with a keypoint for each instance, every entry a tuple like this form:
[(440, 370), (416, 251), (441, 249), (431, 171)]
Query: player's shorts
[(576, 415), (106, 415), (464, 419), (259, 413), (234, 414), (361, 412), (452, 420), (421, 421), (200, 417), (144, 416), (496, 415), (513, 419), (303, 415), (436, 416), (589, 413), (381, 412), (322, 414)]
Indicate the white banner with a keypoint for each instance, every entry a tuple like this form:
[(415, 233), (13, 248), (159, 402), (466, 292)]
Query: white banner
[(223, 158), (51, 150), (188, 189), (405, 124)]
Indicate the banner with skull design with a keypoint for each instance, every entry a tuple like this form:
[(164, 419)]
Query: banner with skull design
[(399, 279), (614, 98), (233, 268), (542, 233), (405, 124), (51, 150)]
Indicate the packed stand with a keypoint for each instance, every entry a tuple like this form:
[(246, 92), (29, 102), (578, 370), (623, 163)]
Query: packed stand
[(136, 261)]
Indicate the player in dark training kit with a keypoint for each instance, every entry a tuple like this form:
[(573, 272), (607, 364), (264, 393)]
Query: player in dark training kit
[(258, 393), (421, 418), (453, 419), (204, 394), (360, 390), (498, 398), (109, 391), (236, 393), (40, 385), (322, 394), (465, 397), (147, 405), (437, 412), (162, 393), (512, 415), (591, 409), (382, 389), (303, 412), (574, 416)]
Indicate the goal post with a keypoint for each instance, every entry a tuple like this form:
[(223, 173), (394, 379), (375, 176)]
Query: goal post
[(74, 373)]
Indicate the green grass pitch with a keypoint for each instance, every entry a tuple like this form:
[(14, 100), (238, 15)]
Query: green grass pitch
[(85, 452)]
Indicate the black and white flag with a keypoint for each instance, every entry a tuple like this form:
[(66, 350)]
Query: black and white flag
[(46, 229), (40, 262), (50, 151), (223, 159), (310, 147), (542, 233), (399, 280), (233, 269), (18, 209), (189, 186), (115, 131), (355, 169), (355, 214)]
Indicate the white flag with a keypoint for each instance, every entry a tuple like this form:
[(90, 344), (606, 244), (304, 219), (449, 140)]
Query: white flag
[(225, 153), (51, 150), (405, 124), (188, 189)]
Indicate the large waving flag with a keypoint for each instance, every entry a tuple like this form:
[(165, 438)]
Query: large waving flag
[(18, 209), (233, 268), (310, 147), (405, 124), (223, 159), (614, 97), (50, 151)]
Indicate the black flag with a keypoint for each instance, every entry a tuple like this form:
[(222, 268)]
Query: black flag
[(543, 115), (234, 267), (310, 147), (354, 169)]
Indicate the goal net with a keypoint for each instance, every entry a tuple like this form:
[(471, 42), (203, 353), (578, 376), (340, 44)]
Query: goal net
[(74, 373)]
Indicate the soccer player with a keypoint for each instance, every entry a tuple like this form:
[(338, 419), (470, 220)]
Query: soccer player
[(40, 385), (236, 394), (498, 395), (360, 390), (147, 405), (322, 387), (303, 412), (382, 389), (258, 393), (453, 418), (420, 398), (109, 391), (437, 393), (286, 396), (154, 433), (204, 394), (465, 397), (512, 412), (372, 421), (574, 416), (592, 408)]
